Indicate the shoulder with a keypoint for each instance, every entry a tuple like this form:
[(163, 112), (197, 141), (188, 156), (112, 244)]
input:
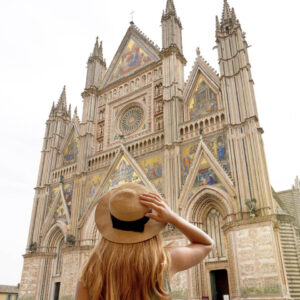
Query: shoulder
[(82, 292)]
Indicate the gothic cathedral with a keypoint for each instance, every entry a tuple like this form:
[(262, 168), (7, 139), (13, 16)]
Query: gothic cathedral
[(196, 142)]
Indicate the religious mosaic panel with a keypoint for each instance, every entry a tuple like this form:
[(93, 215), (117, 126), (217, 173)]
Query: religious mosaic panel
[(256, 259), (53, 193), (203, 100), (132, 58), (123, 173), (60, 213), (187, 154), (71, 151), (68, 191), (92, 183), (217, 144), (153, 168), (205, 176)]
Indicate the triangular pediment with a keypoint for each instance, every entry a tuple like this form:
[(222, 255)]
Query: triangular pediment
[(201, 93), (124, 168), (205, 171), (59, 205), (135, 52)]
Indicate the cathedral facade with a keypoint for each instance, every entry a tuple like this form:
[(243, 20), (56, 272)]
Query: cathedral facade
[(197, 142)]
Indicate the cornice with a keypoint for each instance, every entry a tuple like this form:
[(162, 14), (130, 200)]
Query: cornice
[(250, 221), (39, 255), (173, 49), (93, 90)]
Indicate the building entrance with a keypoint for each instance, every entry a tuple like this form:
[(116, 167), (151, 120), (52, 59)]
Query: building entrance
[(56, 291), (219, 285)]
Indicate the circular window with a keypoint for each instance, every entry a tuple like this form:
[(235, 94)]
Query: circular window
[(131, 119)]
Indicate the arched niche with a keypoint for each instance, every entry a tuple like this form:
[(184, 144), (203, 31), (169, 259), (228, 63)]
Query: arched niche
[(89, 233)]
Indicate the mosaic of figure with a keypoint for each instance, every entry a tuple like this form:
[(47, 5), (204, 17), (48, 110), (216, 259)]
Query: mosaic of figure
[(153, 168), (123, 173), (92, 184), (71, 151), (68, 190), (217, 145), (60, 212), (52, 196), (188, 153), (132, 58), (205, 176), (203, 100)]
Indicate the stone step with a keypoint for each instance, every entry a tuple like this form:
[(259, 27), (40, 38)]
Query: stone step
[(293, 266), (287, 238), (291, 248)]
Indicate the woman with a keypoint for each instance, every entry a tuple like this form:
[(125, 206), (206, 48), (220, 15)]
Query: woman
[(129, 262)]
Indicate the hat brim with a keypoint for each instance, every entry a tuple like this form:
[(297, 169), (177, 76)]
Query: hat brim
[(105, 227)]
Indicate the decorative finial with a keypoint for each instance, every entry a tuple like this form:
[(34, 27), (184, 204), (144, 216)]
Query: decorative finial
[(198, 51), (132, 13)]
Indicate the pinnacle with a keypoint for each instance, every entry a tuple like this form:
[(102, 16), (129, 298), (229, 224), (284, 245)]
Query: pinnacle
[(226, 11), (218, 27), (62, 102), (96, 48), (170, 7)]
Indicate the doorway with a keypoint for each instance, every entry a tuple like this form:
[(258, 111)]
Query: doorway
[(219, 284), (56, 291)]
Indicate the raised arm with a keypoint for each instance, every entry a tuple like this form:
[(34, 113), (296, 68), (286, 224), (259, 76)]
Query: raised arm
[(182, 257)]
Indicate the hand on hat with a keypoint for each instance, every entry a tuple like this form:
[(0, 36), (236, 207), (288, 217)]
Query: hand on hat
[(163, 212)]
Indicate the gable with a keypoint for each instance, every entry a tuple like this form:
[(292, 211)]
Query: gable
[(202, 99), (204, 176), (123, 173), (134, 55), (205, 171), (123, 169)]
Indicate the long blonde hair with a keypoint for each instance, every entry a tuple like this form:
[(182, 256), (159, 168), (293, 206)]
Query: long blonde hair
[(127, 271)]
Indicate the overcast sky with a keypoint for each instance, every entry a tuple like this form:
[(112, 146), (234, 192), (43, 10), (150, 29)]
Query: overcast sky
[(45, 45)]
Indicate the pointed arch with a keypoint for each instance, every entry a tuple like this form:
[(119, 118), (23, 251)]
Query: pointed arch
[(55, 233), (210, 209), (204, 199)]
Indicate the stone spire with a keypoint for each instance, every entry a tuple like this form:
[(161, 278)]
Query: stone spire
[(96, 66), (96, 48), (170, 8), (218, 26), (62, 102), (171, 28), (226, 12)]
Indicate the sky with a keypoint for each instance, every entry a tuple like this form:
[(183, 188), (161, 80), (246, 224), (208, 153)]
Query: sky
[(45, 45)]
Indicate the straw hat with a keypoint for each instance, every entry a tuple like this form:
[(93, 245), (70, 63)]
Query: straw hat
[(120, 217)]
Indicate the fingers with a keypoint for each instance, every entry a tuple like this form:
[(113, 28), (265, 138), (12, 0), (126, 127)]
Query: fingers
[(155, 217), (151, 199), (150, 204)]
